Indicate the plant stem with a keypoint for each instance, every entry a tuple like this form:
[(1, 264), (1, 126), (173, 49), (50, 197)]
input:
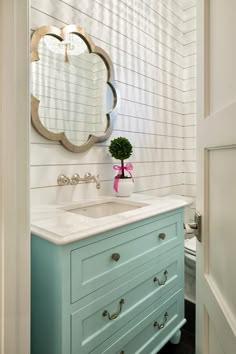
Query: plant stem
[(122, 172)]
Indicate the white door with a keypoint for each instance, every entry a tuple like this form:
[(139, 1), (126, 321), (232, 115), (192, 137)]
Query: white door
[(216, 194)]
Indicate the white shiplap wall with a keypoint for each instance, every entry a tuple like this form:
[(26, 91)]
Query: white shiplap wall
[(189, 29), (152, 45)]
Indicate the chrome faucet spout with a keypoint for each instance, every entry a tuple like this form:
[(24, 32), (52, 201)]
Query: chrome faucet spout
[(97, 181), (89, 178)]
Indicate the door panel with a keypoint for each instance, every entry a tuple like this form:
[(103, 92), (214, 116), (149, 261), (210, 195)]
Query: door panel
[(222, 52), (214, 343), (221, 232)]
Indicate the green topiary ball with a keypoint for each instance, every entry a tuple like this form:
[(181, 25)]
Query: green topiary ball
[(120, 148)]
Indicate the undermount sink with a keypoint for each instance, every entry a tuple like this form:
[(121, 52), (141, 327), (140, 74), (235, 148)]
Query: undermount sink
[(100, 209)]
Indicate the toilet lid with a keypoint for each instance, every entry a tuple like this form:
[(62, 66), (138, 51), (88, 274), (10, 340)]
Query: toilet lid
[(190, 245)]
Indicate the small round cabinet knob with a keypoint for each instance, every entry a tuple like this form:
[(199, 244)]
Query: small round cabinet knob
[(162, 236), (115, 257)]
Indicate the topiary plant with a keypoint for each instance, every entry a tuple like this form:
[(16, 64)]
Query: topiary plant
[(121, 149)]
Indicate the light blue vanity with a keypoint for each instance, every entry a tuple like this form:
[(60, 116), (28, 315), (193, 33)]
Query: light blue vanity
[(116, 291)]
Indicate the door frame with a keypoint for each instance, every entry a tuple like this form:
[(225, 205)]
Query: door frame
[(14, 178)]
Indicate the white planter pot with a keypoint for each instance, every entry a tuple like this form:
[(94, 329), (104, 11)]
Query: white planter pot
[(125, 187)]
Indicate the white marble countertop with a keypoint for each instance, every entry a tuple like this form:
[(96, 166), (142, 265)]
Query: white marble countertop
[(57, 225)]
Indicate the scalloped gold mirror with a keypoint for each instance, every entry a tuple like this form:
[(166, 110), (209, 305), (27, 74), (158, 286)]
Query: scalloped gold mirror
[(74, 96)]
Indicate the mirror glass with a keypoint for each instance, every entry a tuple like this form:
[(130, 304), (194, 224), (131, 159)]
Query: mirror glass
[(72, 86)]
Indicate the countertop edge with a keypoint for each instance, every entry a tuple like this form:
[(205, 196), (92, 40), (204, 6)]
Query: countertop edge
[(150, 211)]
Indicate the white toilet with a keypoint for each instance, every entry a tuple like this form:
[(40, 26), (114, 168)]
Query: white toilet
[(190, 268)]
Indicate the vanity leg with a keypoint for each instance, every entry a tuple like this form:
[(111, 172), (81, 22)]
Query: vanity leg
[(176, 337)]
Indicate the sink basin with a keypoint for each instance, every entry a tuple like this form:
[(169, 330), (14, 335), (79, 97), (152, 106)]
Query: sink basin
[(104, 208)]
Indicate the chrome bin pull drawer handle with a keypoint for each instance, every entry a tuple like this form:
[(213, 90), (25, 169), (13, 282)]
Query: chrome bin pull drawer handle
[(116, 314), (115, 257), (161, 325), (162, 236), (162, 282)]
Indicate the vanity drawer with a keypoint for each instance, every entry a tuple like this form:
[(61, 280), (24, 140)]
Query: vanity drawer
[(96, 322), (149, 331), (97, 264)]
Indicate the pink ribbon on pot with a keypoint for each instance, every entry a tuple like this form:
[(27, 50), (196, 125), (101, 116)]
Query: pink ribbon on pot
[(128, 167)]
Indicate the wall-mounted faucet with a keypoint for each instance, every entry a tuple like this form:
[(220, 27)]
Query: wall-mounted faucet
[(63, 180)]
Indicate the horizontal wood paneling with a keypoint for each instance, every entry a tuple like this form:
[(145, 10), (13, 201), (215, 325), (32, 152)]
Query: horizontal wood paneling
[(152, 46), (189, 132), (143, 171), (55, 154), (56, 195), (114, 28)]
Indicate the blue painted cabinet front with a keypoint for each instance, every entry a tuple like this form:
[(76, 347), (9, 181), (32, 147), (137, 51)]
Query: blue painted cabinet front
[(116, 292)]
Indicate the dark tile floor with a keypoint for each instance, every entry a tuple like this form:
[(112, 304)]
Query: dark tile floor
[(187, 343)]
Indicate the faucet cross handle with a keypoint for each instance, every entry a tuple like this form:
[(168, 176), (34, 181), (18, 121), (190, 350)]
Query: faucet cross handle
[(63, 180), (88, 177), (75, 178)]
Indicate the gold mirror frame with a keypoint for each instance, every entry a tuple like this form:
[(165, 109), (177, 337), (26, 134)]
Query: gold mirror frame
[(60, 34)]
